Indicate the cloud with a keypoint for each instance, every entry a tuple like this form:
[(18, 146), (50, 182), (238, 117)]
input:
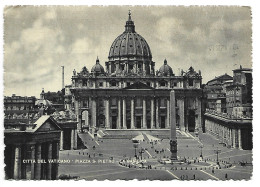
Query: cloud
[(42, 39)]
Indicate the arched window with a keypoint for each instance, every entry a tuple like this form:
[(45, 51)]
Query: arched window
[(113, 83)]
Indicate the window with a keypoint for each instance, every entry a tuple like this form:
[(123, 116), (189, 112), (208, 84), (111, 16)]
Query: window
[(138, 102), (113, 103), (163, 102), (85, 103), (100, 84), (190, 82), (148, 83), (100, 103), (175, 84), (163, 83), (113, 83), (128, 83)]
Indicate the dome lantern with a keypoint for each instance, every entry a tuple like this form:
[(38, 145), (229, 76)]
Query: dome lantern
[(97, 68), (165, 70)]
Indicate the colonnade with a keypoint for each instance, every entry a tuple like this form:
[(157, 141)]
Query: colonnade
[(145, 66), (154, 116), (231, 136), (73, 139), (31, 161)]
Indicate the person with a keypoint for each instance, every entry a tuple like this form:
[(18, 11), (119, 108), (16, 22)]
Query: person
[(194, 176), (226, 176)]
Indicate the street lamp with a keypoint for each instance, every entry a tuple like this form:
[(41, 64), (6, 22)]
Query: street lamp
[(201, 146), (135, 144), (141, 153), (217, 151)]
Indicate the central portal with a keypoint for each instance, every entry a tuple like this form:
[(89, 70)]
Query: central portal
[(138, 122), (163, 122), (114, 120), (191, 121)]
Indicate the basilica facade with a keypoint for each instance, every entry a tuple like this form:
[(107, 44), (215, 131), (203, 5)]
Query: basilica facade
[(128, 93)]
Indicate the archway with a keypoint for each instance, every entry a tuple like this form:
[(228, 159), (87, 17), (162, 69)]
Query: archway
[(138, 122), (101, 121), (191, 121)]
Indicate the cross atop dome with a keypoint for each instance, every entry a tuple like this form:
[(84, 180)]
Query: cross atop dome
[(129, 26), (129, 15)]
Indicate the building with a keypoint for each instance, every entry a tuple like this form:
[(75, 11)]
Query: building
[(67, 121), (18, 108), (56, 98), (130, 94), (239, 94), (215, 92), (233, 126), (29, 148)]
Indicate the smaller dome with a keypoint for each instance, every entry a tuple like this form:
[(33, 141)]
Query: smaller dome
[(97, 68), (165, 69)]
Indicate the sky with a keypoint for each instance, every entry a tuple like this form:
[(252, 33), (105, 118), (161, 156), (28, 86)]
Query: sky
[(38, 40)]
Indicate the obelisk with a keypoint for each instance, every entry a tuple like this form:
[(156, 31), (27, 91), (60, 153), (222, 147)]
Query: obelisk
[(173, 139)]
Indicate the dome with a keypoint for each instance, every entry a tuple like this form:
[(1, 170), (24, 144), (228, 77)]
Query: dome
[(97, 68), (165, 69), (130, 44)]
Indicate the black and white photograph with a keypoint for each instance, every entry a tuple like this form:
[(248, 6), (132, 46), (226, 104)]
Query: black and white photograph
[(128, 92)]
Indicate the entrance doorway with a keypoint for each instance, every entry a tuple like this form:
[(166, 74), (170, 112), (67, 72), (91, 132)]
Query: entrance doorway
[(114, 120), (148, 123), (138, 122), (101, 121), (191, 121), (128, 124), (162, 122)]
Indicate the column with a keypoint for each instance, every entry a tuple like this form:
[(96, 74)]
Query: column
[(72, 139), (17, 162), (32, 164), (57, 157), (75, 139), (124, 113), (38, 165), (80, 121), (157, 113), (77, 110), (61, 139), (86, 118), (144, 114), (168, 114), (234, 138), (230, 137), (49, 165), (119, 113), (132, 113), (198, 126), (94, 113), (107, 125), (152, 113), (182, 116), (240, 139), (110, 71)]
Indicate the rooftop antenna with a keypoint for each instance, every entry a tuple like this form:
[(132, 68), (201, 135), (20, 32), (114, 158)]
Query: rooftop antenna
[(62, 76)]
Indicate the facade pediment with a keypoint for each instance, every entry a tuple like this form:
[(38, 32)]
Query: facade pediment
[(45, 123)]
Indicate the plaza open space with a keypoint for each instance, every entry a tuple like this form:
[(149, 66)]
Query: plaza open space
[(113, 157)]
